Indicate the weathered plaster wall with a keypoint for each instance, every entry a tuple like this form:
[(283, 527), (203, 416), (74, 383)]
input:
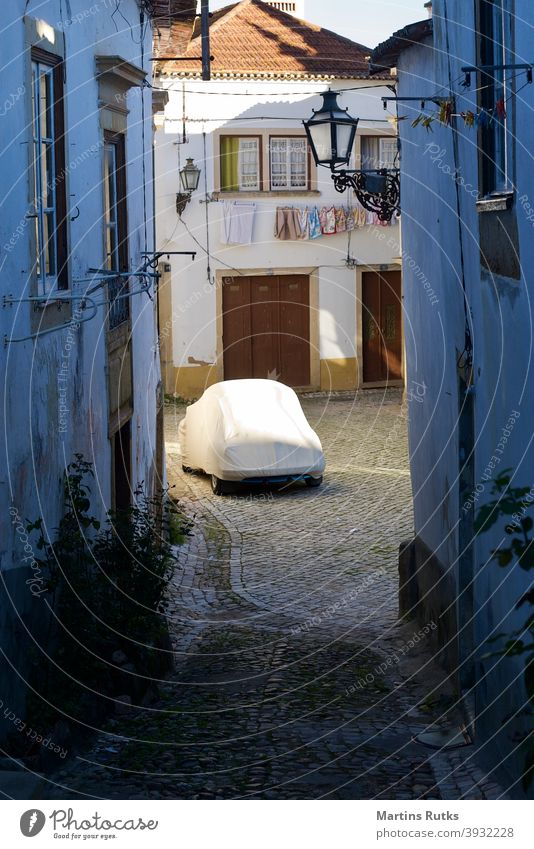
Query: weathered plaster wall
[(39, 438), (441, 233)]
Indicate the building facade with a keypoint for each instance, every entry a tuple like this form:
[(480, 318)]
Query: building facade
[(291, 280), (79, 326), (467, 233)]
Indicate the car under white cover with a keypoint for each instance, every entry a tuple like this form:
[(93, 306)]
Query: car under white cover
[(251, 431)]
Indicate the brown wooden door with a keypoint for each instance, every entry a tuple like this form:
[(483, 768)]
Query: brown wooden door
[(382, 326), (266, 328)]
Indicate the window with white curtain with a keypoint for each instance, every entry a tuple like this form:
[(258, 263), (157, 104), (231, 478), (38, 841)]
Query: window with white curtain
[(249, 165), (288, 159), (378, 152), (240, 164)]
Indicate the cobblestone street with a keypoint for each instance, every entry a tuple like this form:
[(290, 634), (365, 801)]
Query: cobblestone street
[(293, 677)]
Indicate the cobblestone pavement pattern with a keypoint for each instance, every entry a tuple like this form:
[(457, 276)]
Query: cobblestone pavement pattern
[(293, 677)]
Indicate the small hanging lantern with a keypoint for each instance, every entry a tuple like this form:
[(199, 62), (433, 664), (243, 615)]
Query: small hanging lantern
[(189, 177)]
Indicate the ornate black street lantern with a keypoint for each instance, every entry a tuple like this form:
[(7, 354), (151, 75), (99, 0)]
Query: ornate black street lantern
[(189, 177), (331, 132)]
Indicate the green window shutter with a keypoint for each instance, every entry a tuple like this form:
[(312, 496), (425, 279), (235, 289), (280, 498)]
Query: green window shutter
[(229, 164)]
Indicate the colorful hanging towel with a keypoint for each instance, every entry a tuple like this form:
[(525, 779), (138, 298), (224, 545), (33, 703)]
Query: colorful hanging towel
[(351, 224), (360, 216), (341, 219), (314, 223), (328, 220), (303, 221)]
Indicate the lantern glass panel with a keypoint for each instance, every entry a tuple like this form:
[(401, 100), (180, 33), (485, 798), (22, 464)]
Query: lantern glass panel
[(321, 138), (344, 137)]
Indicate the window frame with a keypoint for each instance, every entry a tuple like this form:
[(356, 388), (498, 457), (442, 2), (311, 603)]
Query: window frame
[(488, 52), (246, 137), (115, 217), (54, 65), (289, 189)]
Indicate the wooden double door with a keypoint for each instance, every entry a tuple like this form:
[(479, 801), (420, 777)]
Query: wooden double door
[(382, 326), (266, 328)]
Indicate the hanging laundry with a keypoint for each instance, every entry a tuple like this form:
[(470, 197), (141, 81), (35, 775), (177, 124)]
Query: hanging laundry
[(469, 118), (360, 216), (445, 112), (314, 224), (350, 222), (237, 223), (341, 219), (303, 221), (287, 224), (327, 217), (500, 108)]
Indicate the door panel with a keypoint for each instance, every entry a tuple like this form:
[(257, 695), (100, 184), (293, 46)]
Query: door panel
[(295, 330), (236, 328), (382, 326), (391, 321), (372, 343), (266, 328)]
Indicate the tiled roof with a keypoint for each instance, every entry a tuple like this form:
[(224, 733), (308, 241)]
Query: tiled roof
[(386, 54), (173, 22), (253, 40)]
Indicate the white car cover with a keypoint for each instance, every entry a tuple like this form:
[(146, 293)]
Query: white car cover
[(248, 429)]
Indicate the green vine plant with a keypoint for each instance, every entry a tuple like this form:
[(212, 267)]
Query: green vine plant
[(106, 583), (512, 504)]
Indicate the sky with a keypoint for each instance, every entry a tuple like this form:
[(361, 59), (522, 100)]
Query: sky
[(366, 21)]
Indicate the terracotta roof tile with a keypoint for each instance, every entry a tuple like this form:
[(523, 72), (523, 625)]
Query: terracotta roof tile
[(173, 22), (253, 40)]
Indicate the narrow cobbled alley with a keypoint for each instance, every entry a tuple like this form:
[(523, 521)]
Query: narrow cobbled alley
[(293, 677)]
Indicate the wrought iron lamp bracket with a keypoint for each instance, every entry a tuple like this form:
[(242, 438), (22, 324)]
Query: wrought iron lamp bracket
[(384, 203), (182, 199)]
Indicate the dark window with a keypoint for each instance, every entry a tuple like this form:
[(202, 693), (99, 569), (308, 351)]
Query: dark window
[(494, 42), (122, 467), (48, 161), (115, 226)]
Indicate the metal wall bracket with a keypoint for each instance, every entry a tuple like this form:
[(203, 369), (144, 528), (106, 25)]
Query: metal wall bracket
[(378, 191)]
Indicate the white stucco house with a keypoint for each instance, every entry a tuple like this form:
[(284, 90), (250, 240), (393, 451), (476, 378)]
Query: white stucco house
[(467, 226), (317, 306), (79, 364)]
